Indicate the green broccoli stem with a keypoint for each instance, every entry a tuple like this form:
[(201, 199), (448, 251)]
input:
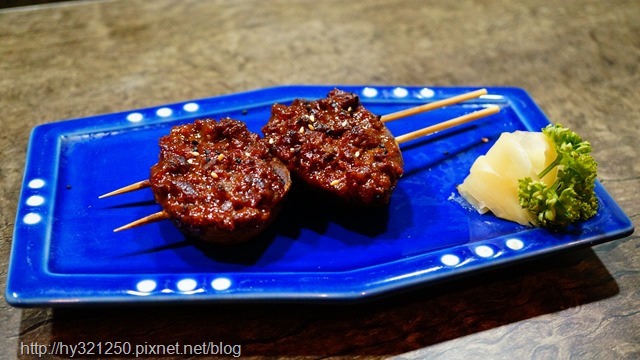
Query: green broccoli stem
[(555, 163)]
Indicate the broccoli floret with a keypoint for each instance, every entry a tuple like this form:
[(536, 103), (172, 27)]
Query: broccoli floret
[(571, 197)]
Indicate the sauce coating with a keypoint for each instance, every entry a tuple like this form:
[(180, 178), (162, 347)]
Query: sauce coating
[(337, 145), (218, 181)]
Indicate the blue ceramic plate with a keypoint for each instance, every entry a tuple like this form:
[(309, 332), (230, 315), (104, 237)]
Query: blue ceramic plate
[(65, 253)]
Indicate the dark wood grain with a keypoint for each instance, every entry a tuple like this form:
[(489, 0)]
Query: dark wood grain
[(578, 59), (19, 3)]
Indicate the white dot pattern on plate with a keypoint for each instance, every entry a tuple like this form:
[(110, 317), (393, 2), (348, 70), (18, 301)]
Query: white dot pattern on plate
[(514, 244), (146, 286), (426, 92), (36, 184), (187, 285), (369, 92), (164, 112), (191, 107), (450, 260), (32, 218), (135, 117), (35, 200), (400, 92), (221, 284), (484, 251)]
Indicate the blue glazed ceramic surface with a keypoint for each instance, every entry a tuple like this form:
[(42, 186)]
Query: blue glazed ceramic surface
[(65, 253)]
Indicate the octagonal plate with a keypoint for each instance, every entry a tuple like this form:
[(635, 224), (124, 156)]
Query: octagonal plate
[(65, 253)]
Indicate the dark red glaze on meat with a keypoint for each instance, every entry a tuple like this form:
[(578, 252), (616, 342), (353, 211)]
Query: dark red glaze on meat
[(218, 181), (337, 145)]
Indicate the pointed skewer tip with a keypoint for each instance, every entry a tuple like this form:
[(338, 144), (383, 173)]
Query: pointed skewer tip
[(160, 215), (125, 189)]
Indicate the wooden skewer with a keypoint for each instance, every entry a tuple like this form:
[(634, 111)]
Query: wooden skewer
[(448, 124), (434, 105), (160, 215), (132, 187)]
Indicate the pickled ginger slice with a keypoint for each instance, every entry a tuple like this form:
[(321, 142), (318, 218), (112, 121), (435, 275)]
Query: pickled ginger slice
[(492, 183)]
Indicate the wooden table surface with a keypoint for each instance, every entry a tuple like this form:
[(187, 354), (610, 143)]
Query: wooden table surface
[(578, 59)]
